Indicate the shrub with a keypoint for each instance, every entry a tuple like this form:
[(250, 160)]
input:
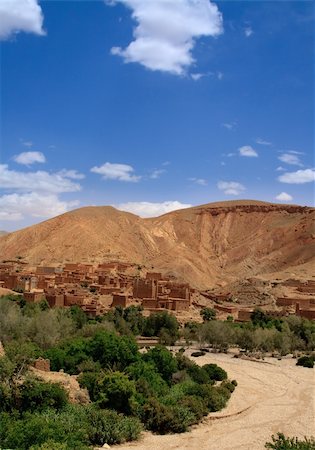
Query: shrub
[(109, 349), (306, 361), (37, 395), (166, 419), (197, 354), (147, 377), (215, 372), (155, 323), (208, 314), (111, 428), (163, 360), (114, 390), (198, 374), (196, 405), (280, 442), (229, 385)]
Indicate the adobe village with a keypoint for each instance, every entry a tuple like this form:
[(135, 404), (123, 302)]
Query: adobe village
[(201, 320), (231, 256)]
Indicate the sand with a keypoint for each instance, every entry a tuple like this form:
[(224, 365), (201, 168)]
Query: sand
[(272, 396)]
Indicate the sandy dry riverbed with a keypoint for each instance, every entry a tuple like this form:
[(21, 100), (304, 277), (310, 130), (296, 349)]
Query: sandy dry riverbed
[(271, 396)]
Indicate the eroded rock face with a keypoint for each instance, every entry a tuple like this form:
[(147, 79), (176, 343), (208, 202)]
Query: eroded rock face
[(204, 245), (68, 382)]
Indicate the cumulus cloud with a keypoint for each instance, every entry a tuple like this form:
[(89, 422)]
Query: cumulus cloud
[(40, 181), (148, 209), (166, 31), (248, 31), (284, 197), (262, 142), (248, 151), (200, 181), (20, 15), (73, 174), (28, 158), (113, 171), (298, 177), (157, 173), (231, 187), (17, 206), (229, 125), (290, 158)]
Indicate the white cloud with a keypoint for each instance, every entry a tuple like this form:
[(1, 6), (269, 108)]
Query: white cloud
[(34, 204), (166, 31), (280, 169), (284, 197), (298, 177), (72, 174), (262, 142), (220, 75), (157, 173), (200, 181), (20, 15), (197, 76), (231, 187), (248, 151), (295, 152), (40, 181), (120, 172), (148, 209), (28, 158), (26, 143), (248, 31), (290, 158), (229, 125)]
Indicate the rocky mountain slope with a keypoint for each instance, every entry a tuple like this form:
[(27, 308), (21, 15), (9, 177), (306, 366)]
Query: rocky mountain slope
[(203, 245)]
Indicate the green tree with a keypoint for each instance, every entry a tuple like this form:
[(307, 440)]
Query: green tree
[(208, 314)]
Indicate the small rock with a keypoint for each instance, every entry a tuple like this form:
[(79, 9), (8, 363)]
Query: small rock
[(106, 446)]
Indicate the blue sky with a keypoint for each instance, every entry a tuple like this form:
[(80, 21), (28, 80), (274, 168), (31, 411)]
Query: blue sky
[(153, 105)]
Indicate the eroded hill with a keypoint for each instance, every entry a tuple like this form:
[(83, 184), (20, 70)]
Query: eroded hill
[(203, 245)]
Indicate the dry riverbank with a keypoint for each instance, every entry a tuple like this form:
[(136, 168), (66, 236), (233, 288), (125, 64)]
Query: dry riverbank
[(271, 396)]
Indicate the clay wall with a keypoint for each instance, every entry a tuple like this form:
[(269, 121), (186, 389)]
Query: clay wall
[(244, 315), (56, 300), (149, 303), (119, 300), (154, 276), (34, 297), (42, 364), (72, 299), (144, 288)]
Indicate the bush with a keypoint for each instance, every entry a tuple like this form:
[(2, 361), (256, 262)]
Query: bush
[(76, 427), (163, 360), (166, 419), (306, 361), (37, 395), (280, 442), (147, 378), (114, 390), (196, 405), (108, 427), (161, 322), (208, 314), (215, 372), (197, 354)]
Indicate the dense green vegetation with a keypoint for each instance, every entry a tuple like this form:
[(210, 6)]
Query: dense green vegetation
[(280, 442), (129, 390), (306, 361)]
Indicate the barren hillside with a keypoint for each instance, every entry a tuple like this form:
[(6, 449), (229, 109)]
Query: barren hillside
[(203, 245)]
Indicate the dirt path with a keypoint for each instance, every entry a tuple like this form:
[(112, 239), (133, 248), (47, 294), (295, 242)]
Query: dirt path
[(271, 396)]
